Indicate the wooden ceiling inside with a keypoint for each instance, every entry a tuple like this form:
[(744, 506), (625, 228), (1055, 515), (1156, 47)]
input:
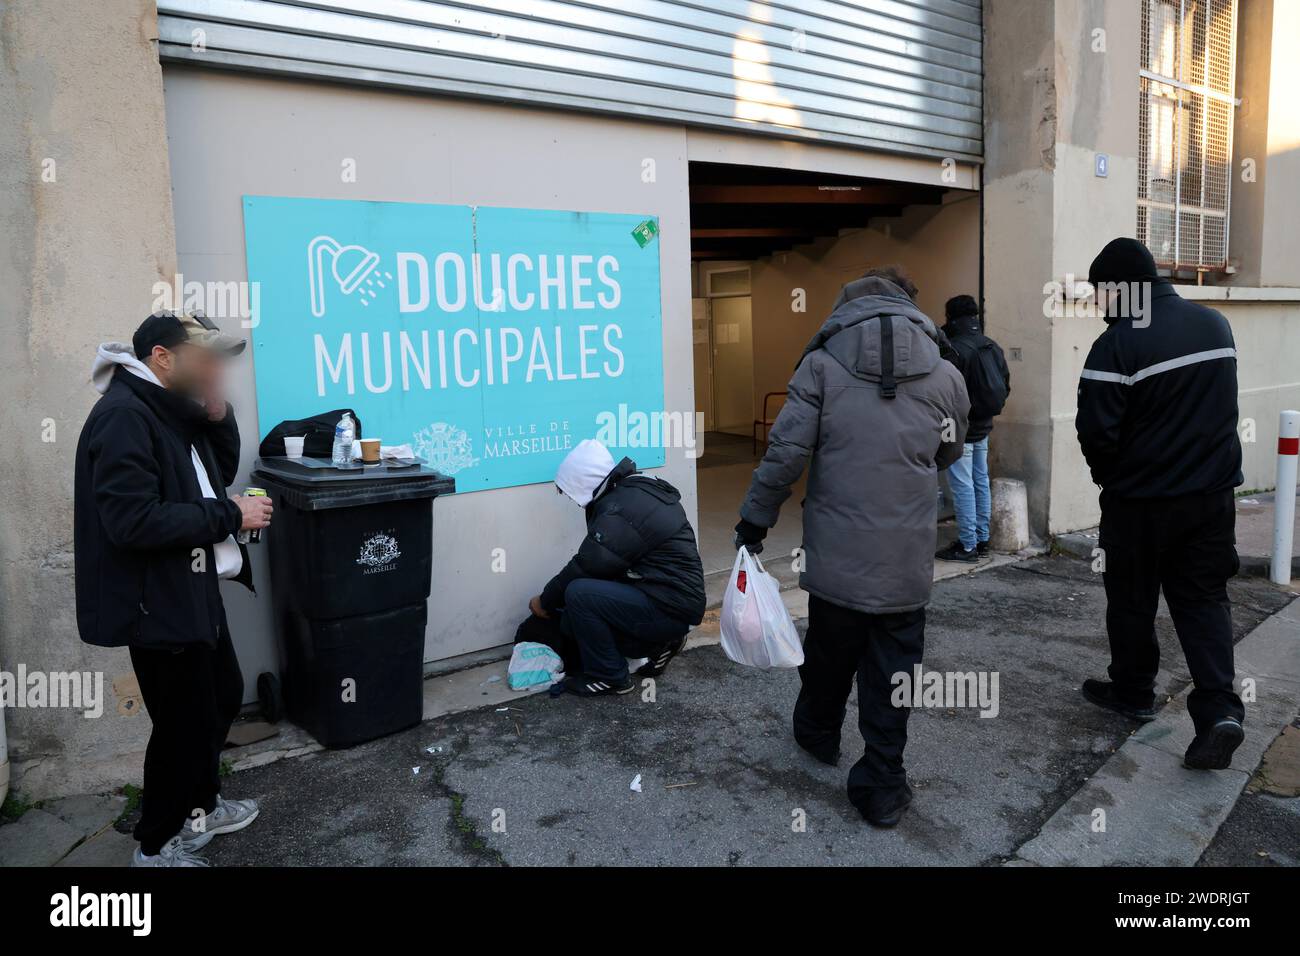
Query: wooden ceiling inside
[(747, 212)]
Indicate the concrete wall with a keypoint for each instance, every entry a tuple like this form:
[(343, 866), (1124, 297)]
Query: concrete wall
[(1267, 332), (1280, 250), (1266, 195), (938, 245), (1020, 108), (1262, 300), (86, 208), (1250, 140), (1266, 327), (234, 134), (1060, 87), (716, 146), (1095, 95)]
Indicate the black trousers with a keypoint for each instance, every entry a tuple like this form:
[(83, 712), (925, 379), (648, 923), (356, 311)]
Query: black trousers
[(193, 694), (841, 644), (1185, 547)]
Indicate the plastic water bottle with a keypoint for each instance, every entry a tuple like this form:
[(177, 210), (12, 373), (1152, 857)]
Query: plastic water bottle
[(345, 433)]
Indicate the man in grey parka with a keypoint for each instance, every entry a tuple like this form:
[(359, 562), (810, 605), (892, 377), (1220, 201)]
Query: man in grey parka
[(879, 412)]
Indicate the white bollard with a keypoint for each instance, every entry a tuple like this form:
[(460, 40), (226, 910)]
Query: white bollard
[(1288, 448), (1009, 522)]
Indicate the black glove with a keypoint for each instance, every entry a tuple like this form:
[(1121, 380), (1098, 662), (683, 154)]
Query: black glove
[(750, 536)]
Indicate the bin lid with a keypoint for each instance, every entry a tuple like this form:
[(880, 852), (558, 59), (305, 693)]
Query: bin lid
[(316, 484)]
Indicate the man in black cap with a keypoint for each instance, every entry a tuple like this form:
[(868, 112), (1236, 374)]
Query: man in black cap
[(988, 383), (154, 533), (1157, 422)]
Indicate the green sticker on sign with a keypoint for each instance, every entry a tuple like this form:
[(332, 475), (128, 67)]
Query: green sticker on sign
[(645, 233)]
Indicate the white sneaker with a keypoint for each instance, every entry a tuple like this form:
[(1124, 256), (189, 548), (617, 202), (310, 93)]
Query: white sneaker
[(226, 817), (173, 853)]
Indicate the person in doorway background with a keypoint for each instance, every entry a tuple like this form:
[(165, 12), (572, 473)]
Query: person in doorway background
[(153, 536), (1157, 423), (988, 383), (879, 412), (636, 585)]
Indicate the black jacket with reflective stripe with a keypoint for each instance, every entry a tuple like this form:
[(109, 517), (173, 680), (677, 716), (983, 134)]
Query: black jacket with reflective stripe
[(1157, 403)]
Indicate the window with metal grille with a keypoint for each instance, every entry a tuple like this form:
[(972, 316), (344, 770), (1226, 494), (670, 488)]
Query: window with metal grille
[(1185, 118)]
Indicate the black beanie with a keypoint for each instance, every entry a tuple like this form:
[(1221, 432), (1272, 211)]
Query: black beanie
[(1123, 260), (959, 306)]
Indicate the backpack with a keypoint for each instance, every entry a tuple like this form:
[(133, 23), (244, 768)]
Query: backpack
[(985, 381), (546, 630), (318, 430)]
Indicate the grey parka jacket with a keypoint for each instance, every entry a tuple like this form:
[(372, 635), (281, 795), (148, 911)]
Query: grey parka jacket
[(878, 432)]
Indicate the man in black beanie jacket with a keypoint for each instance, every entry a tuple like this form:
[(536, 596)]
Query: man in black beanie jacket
[(983, 367), (1157, 422)]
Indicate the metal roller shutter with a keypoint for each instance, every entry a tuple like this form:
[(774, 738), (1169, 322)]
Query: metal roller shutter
[(898, 75)]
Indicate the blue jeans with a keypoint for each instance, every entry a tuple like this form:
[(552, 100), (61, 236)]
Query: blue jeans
[(611, 621), (968, 480)]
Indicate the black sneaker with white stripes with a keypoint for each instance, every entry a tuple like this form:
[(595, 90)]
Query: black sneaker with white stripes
[(659, 662), (584, 685)]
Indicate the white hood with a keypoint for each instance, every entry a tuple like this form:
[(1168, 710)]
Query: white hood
[(584, 470), (111, 355)]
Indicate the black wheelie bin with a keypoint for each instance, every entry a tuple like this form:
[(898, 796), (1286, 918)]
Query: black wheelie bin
[(351, 571)]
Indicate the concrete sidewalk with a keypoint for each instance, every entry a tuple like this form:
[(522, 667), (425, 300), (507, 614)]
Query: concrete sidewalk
[(548, 781), (531, 780), (1143, 807)]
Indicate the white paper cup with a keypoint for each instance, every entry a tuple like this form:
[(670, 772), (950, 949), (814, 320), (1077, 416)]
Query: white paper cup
[(293, 446)]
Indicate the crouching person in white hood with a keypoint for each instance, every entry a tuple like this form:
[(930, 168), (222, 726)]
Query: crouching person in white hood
[(154, 534), (636, 585)]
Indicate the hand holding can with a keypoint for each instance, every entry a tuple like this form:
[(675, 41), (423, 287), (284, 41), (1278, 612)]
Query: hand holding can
[(256, 509)]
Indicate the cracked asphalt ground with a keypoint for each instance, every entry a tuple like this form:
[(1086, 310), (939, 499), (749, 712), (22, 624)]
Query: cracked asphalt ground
[(547, 782)]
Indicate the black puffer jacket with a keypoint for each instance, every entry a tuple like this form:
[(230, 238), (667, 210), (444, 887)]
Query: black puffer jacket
[(637, 532), (139, 517)]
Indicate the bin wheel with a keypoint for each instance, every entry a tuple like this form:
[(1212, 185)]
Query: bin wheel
[(269, 697)]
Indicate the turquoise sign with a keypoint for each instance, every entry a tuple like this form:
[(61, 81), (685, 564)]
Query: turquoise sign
[(490, 340)]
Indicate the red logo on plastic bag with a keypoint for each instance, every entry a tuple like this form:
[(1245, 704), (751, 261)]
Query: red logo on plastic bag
[(740, 582)]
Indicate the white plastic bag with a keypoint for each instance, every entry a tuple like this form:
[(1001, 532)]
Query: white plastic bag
[(532, 664), (756, 626)]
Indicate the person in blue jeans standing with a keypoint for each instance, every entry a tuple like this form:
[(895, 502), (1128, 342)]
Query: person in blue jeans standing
[(988, 382)]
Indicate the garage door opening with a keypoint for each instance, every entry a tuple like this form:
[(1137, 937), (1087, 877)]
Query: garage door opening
[(770, 251)]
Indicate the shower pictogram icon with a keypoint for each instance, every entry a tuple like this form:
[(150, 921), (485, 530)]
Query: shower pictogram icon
[(354, 269)]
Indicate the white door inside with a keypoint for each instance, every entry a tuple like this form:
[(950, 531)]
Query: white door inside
[(702, 346), (733, 364)]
